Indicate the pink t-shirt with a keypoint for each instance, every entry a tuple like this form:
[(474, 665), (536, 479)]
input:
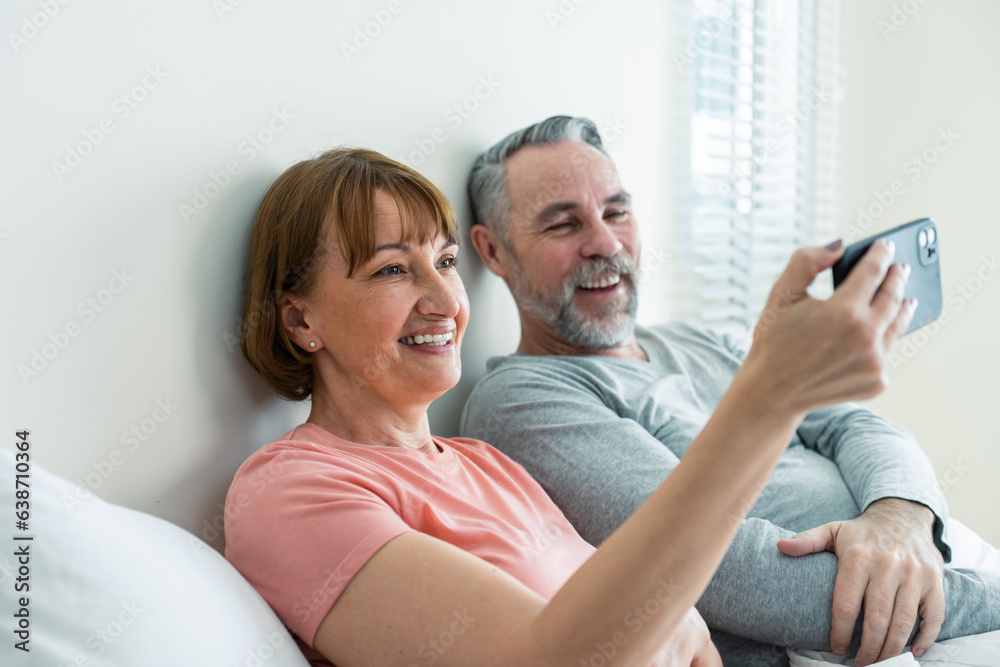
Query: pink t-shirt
[(306, 512)]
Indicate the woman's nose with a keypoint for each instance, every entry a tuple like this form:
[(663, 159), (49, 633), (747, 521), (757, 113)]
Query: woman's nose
[(438, 296)]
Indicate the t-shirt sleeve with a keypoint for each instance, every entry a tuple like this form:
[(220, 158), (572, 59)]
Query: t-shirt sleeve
[(299, 529)]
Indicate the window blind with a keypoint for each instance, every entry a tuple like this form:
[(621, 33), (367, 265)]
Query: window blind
[(760, 86)]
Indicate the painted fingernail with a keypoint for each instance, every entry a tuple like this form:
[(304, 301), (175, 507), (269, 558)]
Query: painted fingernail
[(914, 303), (906, 269), (890, 246), (836, 245)]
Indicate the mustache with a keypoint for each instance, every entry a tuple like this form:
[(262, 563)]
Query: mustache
[(621, 264)]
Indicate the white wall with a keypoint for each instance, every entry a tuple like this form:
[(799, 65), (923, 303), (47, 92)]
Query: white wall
[(199, 78), (932, 66), (168, 334)]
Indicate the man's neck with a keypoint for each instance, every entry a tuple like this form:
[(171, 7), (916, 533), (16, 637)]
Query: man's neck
[(547, 342)]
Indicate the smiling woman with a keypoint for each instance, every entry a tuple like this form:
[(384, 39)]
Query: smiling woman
[(321, 211)]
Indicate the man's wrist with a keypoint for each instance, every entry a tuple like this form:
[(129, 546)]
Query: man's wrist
[(899, 508)]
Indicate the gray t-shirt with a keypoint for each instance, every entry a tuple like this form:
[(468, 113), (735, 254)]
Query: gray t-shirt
[(600, 434)]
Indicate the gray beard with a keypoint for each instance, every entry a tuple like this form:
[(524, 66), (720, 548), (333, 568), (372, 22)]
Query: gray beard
[(612, 324)]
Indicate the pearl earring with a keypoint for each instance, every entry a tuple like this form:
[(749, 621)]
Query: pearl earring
[(312, 343)]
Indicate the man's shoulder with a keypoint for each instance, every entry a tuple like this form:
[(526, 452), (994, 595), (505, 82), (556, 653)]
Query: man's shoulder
[(695, 339), (514, 368), (681, 332), (538, 371)]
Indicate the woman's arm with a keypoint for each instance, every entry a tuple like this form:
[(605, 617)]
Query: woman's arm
[(421, 601)]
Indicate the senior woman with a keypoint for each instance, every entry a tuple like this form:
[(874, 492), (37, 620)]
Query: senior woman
[(379, 544)]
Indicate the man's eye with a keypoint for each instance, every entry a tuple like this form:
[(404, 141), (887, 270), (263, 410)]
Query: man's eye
[(558, 226), (616, 214), (392, 270)]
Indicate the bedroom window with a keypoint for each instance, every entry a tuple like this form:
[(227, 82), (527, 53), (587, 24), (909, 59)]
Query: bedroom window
[(760, 82)]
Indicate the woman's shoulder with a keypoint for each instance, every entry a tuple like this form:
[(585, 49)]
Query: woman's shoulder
[(303, 451)]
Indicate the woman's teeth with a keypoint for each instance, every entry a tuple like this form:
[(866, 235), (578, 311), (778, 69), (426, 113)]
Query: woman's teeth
[(610, 281), (429, 339)]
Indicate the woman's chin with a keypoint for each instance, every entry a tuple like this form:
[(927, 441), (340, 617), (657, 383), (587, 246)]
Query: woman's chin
[(438, 385)]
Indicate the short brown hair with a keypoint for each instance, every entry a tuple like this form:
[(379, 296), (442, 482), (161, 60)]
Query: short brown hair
[(314, 205)]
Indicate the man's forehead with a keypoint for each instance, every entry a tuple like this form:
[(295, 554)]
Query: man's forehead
[(539, 175)]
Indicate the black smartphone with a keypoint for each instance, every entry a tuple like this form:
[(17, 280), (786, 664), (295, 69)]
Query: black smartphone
[(917, 244)]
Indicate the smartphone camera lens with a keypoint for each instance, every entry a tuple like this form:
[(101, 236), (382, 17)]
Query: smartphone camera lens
[(927, 240)]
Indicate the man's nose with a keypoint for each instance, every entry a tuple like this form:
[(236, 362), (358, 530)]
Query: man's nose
[(600, 239)]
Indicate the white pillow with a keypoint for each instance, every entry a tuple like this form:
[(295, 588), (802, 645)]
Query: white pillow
[(113, 586)]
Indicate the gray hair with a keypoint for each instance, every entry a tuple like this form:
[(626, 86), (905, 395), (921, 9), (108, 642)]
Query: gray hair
[(491, 205)]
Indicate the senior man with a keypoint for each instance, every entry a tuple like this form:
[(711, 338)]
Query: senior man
[(600, 410)]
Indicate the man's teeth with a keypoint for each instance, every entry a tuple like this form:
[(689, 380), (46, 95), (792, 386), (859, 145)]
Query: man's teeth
[(610, 281), (429, 339)]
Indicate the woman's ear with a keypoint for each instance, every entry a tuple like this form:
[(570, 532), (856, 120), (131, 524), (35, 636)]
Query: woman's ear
[(293, 318), (490, 250)]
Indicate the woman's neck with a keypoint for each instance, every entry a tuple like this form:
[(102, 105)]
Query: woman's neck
[(371, 422)]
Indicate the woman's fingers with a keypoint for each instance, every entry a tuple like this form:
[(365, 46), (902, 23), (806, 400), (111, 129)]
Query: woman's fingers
[(899, 326), (887, 304), (867, 276)]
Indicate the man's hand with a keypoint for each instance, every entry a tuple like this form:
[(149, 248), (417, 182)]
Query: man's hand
[(888, 561)]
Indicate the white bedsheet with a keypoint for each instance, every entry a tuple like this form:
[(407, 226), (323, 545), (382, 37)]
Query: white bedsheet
[(968, 550)]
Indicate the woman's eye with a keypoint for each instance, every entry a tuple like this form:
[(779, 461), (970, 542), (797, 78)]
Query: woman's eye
[(393, 270), (449, 263)]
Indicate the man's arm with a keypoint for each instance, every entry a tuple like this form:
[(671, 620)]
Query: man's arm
[(891, 558), (877, 460), (599, 467)]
